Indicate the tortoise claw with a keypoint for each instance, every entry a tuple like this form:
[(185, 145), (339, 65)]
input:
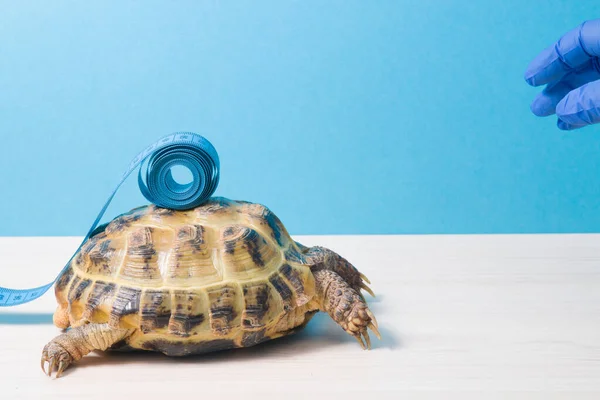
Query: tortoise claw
[(375, 330), (51, 366), (359, 339), (61, 368), (55, 355), (367, 289), (363, 339), (372, 317), (367, 339), (361, 319), (364, 278)]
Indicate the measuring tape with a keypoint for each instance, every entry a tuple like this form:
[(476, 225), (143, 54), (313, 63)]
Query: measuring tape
[(156, 183)]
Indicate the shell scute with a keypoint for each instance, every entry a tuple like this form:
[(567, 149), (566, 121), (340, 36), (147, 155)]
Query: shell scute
[(216, 207), (187, 313), (99, 256), (263, 217), (261, 305), (156, 310), (246, 253), (99, 293), (124, 221), (126, 302), (256, 299), (300, 280), (283, 289), (224, 309), (190, 262), (141, 262)]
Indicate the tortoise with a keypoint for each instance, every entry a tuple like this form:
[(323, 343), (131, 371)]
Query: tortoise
[(223, 275)]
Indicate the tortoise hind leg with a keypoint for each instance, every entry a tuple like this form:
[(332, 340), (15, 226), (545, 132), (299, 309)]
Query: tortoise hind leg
[(345, 305), (77, 342)]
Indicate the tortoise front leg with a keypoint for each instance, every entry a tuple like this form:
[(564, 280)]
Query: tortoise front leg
[(77, 342), (323, 258), (345, 305)]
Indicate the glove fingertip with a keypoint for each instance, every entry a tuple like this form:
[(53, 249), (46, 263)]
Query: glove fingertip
[(542, 106), (581, 106), (566, 126), (545, 68), (530, 77), (563, 126)]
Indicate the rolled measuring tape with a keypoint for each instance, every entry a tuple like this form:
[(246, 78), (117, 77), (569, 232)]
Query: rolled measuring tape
[(156, 183)]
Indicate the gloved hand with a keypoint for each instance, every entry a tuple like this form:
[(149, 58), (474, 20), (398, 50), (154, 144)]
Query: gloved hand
[(571, 70)]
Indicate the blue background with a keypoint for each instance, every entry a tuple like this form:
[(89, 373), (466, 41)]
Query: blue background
[(343, 117)]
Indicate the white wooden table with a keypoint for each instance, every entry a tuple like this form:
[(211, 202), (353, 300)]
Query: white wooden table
[(466, 317)]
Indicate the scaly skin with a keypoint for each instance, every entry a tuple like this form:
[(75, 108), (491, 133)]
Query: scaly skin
[(77, 342), (345, 305)]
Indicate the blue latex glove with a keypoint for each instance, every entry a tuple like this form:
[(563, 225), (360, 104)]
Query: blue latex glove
[(570, 69)]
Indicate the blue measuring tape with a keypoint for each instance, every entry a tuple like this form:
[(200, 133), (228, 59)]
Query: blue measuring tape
[(156, 182)]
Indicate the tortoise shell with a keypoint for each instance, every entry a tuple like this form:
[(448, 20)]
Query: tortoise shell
[(219, 276)]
